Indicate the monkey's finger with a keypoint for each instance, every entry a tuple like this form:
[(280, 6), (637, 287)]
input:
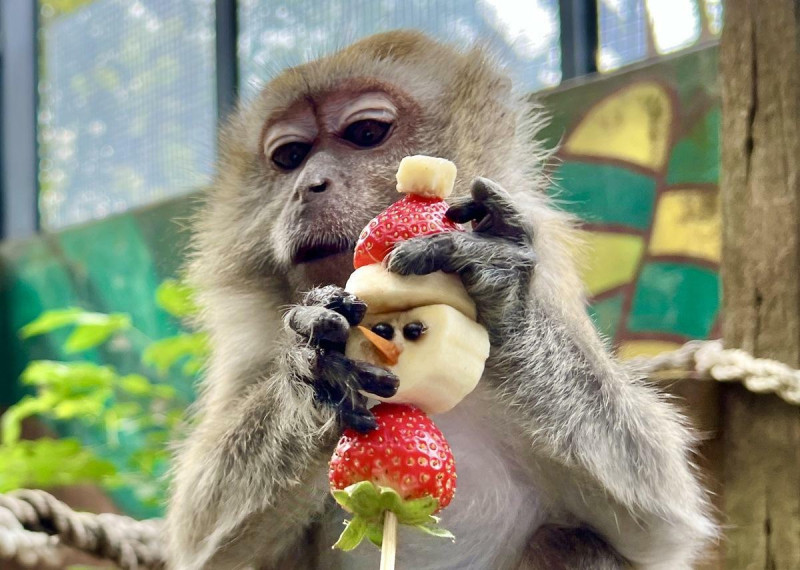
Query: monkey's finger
[(318, 325), (492, 212), (350, 307), (423, 255), (376, 380), (337, 299), (360, 419)]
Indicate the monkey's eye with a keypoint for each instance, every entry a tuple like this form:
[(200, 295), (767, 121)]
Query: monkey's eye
[(290, 155), (366, 133), (384, 329), (412, 331)]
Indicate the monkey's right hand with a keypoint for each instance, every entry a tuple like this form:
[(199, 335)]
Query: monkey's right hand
[(321, 324)]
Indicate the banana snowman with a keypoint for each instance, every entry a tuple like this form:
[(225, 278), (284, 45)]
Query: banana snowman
[(421, 327)]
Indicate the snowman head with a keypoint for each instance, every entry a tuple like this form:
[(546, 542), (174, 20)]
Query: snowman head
[(421, 327)]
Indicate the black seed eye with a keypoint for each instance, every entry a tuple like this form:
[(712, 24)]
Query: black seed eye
[(384, 329), (290, 155), (366, 133), (412, 331)]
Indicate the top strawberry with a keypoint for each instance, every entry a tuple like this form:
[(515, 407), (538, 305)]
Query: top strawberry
[(413, 216), (426, 181)]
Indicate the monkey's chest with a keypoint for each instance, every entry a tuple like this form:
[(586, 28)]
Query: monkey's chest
[(493, 514)]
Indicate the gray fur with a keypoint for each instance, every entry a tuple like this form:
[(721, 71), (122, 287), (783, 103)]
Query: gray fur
[(557, 432)]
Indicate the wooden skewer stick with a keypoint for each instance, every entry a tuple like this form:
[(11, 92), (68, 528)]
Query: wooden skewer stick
[(389, 546)]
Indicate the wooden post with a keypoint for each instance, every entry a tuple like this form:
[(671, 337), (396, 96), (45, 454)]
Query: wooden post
[(760, 74)]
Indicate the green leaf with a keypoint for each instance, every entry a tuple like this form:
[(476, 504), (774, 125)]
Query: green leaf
[(354, 531), (45, 463), (26, 407), (165, 353), (416, 511), (365, 500), (136, 385), (436, 531), (164, 391), (92, 329), (84, 408), (176, 298), (50, 321), (343, 498), (68, 377), (375, 533)]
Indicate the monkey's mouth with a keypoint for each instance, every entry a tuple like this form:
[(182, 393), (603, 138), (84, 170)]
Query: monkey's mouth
[(320, 249)]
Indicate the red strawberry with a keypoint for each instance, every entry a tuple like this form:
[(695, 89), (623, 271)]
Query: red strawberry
[(409, 217), (405, 465)]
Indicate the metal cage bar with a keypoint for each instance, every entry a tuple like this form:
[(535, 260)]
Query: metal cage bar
[(19, 181), (579, 37)]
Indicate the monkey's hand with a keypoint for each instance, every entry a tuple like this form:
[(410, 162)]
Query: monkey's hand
[(495, 261), (321, 324)]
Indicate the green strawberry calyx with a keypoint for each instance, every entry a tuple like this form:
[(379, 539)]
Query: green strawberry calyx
[(368, 503)]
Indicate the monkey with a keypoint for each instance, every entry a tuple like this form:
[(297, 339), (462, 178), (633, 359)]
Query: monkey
[(567, 459)]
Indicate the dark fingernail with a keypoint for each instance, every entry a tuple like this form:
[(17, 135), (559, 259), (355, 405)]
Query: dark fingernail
[(378, 381), (463, 213), (360, 420), (351, 308), (329, 332), (354, 311)]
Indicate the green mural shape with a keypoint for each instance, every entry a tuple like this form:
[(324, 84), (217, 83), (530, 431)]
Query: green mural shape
[(694, 158), (674, 298), (606, 194), (607, 314)]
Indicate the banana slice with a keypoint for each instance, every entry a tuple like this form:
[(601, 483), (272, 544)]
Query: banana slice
[(384, 291), (442, 354), (426, 175)]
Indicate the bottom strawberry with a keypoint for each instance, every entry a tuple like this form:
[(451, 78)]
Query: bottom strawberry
[(404, 466)]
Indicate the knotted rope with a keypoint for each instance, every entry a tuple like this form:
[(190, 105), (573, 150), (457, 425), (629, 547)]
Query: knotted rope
[(709, 360), (35, 526)]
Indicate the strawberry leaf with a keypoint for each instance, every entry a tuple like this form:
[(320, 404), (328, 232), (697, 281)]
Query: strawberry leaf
[(417, 511), (343, 498), (375, 533), (365, 500), (354, 532), (436, 531)]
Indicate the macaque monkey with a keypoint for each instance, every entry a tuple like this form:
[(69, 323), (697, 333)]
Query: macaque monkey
[(566, 460)]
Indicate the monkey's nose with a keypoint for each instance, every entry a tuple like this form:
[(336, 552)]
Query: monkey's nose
[(320, 187)]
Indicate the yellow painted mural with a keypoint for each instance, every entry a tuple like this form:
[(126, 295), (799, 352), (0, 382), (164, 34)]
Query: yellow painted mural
[(643, 177)]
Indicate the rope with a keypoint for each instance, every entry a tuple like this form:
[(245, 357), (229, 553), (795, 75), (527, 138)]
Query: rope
[(709, 360), (35, 526)]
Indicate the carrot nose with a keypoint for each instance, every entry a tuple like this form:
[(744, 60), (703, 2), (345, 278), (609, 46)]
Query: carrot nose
[(388, 351)]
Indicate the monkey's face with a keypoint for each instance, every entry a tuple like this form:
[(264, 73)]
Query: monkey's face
[(327, 164), (306, 165)]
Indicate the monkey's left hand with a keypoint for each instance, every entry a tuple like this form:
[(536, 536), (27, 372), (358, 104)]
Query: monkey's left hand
[(495, 261)]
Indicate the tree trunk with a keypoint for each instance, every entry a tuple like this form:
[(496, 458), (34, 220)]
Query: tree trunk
[(760, 73)]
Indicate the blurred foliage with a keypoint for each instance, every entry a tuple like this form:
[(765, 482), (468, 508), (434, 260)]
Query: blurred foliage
[(137, 414)]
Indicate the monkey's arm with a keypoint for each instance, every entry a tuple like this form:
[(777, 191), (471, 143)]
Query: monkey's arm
[(613, 454), (251, 478)]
